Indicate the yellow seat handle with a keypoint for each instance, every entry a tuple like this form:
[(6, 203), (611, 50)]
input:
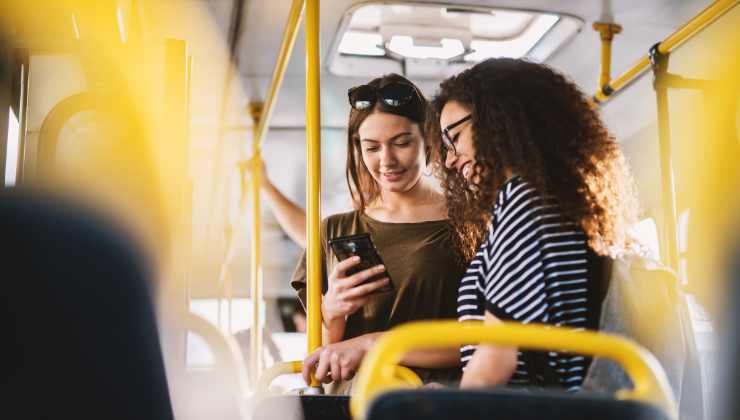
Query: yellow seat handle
[(377, 373)]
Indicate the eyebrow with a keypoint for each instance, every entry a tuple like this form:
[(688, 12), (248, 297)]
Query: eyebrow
[(405, 133)]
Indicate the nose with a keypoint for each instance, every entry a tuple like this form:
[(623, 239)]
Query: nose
[(387, 156), (450, 159)]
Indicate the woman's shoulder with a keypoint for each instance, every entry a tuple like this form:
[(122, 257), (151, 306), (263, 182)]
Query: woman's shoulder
[(339, 218), (513, 189), (341, 224)]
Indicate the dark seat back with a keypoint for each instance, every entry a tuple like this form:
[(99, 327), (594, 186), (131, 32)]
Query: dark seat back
[(79, 332), (304, 407), (505, 405), (646, 304)]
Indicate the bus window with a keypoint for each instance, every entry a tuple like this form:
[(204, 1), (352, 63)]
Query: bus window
[(11, 157)]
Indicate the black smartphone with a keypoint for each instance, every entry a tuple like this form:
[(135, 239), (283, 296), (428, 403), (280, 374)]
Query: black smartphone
[(362, 246)]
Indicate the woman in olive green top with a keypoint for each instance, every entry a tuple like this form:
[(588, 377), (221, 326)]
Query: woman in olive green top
[(404, 212)]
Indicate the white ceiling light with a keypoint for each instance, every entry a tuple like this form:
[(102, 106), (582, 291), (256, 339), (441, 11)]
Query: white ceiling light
[(402, 10), (500, 23), (362, 43), (367, 17), (408, 47), (431, 41), (515, 47)]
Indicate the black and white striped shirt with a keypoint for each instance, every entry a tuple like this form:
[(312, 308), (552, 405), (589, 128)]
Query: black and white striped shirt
[(534, 267)]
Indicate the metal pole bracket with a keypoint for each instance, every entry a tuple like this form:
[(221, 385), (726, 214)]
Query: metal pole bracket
[(659, 65)]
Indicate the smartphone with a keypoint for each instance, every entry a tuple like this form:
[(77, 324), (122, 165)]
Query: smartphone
[(362, 246)]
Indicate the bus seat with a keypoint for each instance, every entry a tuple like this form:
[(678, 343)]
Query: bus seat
[(303, 407), (645, 303), (79, 338), (728, 378), (505, 404)]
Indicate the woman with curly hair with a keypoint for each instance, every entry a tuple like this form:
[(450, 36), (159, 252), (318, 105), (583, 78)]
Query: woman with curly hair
[(539, 196)]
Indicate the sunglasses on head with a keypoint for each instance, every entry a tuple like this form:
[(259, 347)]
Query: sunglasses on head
[(395, 94)]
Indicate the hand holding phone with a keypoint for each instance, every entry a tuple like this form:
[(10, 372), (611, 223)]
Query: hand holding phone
[(361, 246), (359, 274)]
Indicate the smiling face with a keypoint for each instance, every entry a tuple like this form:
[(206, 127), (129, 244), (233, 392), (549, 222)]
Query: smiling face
[(462, 159), (392, 151)]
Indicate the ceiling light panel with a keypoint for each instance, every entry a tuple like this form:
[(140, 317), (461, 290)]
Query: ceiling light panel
[(442, 37)]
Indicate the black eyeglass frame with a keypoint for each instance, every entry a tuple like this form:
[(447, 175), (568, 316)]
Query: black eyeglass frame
[(446, 139), (378, 93)]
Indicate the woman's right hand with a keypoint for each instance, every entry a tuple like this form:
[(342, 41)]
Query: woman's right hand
[(346, 294)]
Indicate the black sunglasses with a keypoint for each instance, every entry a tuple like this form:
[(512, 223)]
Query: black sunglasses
[(395, 94), (447, 141)]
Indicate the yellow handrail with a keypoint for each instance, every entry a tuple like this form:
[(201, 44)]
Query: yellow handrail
[(313, 180), (260, 130), (286, 48), (681, 35), (606, 32), (255, 353), (377, 373)]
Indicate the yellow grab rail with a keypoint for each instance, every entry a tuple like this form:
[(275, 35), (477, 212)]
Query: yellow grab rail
[(681, 35), (286, 48), (313, 180), (255, 353), (261, 115), (377, 373)]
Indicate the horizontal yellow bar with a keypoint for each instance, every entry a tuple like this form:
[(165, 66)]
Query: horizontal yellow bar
[(377, 373), (699, 22), (681, 35)]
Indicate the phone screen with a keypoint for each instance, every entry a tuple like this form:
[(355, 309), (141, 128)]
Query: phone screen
[(360, 245)]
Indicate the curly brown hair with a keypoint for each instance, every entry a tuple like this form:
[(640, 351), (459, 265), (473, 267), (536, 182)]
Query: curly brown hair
[(532, 121), (362, 186)]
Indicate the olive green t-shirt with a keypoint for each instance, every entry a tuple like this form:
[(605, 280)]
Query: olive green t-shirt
[(422, 266)]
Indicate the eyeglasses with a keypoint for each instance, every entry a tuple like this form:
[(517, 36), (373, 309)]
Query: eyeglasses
[(395, 94), (447, 141)]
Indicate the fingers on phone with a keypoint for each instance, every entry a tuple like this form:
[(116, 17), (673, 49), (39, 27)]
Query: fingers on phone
[(367, 288), (364, 275), (345, 265)]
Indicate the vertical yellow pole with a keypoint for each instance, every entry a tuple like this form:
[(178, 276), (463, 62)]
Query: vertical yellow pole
[(255, 353), (313, 180), (606, 32)]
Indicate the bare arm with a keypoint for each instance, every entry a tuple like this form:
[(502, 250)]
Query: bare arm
[(490, 365), (341, 360), (332, 330), (425, 358), (291, 217), (433, 358)]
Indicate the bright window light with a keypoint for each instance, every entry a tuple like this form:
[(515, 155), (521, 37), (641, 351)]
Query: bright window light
[(121, 25), (514, 48), (446, 48), (367, 17), (11, 155), (362, 43), (500, 23), (646, 232), (402, 10)]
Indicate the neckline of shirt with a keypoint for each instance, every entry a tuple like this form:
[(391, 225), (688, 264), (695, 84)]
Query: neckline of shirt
[(380, 222)]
